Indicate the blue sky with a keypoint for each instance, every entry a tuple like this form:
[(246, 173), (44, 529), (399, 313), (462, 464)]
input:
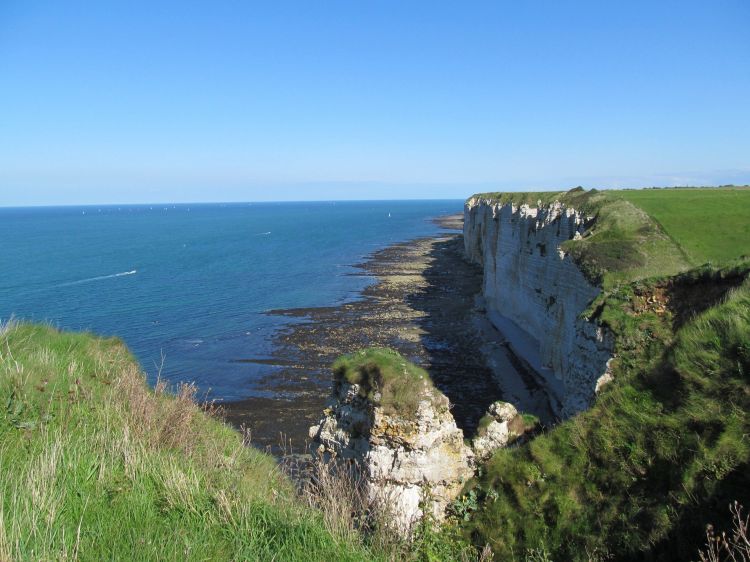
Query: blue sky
[(233, 101)]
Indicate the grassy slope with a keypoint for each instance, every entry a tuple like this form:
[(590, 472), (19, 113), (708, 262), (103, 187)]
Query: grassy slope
[(660, 454), (682, 213), (665, 448), (95, 466)]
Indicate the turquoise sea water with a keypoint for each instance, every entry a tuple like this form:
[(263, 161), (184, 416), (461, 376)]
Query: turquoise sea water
[(191, 283)]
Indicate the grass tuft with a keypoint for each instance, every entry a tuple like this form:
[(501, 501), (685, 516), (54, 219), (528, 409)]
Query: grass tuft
[(388, 380)]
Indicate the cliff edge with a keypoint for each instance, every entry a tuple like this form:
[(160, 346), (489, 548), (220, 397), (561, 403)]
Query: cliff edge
[(536, 294)]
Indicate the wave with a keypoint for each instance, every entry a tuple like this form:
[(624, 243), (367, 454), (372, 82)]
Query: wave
[(100, 278)]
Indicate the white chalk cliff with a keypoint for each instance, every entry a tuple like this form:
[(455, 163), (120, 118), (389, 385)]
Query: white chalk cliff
[(534, 293)]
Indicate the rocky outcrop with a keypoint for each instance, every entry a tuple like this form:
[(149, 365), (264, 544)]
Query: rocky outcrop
[(531, 286), (410, 464), (496, 431)]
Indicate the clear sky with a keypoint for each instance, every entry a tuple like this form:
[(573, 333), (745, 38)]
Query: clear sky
[(241, 101)]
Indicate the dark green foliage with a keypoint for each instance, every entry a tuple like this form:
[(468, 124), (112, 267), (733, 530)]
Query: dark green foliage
[(659, 455), (530, 421)]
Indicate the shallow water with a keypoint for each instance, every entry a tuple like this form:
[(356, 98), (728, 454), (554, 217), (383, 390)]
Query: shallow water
[(191, 283)]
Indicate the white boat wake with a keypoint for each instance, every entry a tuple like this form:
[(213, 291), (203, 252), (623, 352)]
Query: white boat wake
[(100, 278)]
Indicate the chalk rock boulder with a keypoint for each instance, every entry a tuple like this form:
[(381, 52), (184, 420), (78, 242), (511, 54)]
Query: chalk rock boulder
[(411, 454), (495, 430)]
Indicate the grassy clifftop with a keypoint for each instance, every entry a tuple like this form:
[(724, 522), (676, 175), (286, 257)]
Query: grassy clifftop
[(96, 466), (388, 380), (709, 225), (636, 234)]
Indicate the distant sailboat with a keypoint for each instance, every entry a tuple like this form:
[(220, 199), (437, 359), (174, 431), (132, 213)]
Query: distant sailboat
[(389, 215)]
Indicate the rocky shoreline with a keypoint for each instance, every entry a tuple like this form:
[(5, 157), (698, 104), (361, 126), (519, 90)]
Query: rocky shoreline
[(423, 304)]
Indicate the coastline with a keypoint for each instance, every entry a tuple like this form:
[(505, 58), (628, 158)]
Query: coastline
[(423, 303)]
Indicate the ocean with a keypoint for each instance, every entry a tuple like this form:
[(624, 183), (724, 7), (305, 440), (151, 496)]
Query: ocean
[(187, 286)]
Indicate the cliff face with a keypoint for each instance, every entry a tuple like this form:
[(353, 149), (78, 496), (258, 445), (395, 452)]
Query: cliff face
[(534, 293)]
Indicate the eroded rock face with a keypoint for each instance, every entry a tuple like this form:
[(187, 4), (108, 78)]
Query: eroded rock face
[(411, 464), (496, 434), (531, 281)]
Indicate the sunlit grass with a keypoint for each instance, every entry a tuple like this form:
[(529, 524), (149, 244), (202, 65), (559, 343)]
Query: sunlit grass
[(95, 466), (710, 225)]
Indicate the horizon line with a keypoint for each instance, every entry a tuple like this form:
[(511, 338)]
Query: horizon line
[(365, 200), (257, 202)]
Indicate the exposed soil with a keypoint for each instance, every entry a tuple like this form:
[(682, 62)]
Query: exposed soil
[(688, 299), (684, 297)]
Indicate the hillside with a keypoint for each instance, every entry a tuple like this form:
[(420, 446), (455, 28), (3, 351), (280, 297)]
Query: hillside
[(96, 466), (664, 449), (708, 224)]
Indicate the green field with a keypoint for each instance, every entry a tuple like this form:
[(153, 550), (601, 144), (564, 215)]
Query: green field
[(710, 225)]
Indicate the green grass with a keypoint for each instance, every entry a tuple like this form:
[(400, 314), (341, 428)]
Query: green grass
[(388, 380), (621, 243), (660, 454), (708, 224), (95, 466), (644, 233)]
